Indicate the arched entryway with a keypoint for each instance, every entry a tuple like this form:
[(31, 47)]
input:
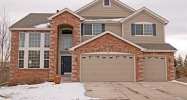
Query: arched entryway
[(65, 42)]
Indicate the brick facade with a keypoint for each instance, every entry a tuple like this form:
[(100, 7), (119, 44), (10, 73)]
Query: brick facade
[(113, 44), (103, 44), (61, 20), (22, 75)]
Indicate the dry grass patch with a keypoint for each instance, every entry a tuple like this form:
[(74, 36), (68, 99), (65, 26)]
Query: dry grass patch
[(32, 87), (5, 97)]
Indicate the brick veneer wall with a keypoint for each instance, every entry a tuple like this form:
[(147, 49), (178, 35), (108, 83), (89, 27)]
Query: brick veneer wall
[(63, 19), (170, 63), (103, 44), (22, 75)]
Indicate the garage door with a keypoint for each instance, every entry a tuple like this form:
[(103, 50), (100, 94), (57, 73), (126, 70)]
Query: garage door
[(106, 68), (154, 68)]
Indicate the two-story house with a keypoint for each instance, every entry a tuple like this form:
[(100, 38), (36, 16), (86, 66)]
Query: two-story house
[(105, 40)]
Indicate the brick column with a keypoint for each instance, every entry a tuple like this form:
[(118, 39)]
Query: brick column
[(53, 56), (139, 68)]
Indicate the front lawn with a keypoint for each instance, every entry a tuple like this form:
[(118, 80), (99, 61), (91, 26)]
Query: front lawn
[(45, 91)]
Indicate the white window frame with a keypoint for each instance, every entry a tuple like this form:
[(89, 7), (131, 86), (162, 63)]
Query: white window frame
[(92, 29), (144, 23), (106, 5), (26, 49)]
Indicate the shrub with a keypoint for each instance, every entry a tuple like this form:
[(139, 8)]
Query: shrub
[(26, 80)]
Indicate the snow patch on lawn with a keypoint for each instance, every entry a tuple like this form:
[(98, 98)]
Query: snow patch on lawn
[(45, 25), (179, 82), (45, 91)]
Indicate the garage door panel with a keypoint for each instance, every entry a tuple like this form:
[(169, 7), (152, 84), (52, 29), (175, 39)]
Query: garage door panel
[(107, 68), (154, 68)]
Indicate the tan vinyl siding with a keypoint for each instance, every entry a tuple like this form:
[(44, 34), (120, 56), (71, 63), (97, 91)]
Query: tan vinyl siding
[(143, 17), (113, 27), (84, 38), (99, 11)]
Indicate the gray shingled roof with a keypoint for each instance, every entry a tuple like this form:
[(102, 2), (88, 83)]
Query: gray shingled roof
[(153, 46), (31, 20)]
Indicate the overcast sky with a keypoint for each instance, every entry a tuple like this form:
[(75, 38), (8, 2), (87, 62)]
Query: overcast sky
[(173, 10)]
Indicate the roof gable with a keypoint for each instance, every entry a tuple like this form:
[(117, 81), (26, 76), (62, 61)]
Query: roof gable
[(111, 33), (148, 12), (63, 10), (97, 1)]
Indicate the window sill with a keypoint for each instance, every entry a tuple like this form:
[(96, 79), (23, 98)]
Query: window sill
[(89, 35), (143, 35), (34, 68), (106, 5)]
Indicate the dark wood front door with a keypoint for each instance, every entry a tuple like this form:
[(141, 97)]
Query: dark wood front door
[(65, 64)]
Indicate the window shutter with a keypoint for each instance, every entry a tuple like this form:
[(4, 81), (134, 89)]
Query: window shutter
[(82, 28), (103, 27), (154, 29), (133, 29)]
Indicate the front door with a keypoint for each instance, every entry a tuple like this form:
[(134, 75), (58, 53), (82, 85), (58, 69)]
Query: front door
[(65, 64)]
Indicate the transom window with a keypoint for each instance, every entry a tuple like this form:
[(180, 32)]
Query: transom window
[(66, 31), (34, 59), (21, 39), (34, 39), (93, 29), (106, 2)]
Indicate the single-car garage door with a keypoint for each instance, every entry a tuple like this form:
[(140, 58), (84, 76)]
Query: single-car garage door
[(154, 68), (107, 67)]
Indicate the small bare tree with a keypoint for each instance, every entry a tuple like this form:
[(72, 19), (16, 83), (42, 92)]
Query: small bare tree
[(4, 39)]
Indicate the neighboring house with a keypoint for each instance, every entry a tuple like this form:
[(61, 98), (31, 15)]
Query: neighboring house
[(105, 40)]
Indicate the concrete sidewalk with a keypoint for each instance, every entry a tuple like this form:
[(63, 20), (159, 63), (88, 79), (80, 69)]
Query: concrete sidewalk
[(137, 90)]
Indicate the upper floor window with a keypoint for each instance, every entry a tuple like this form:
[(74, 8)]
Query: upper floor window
[(106, 2), (47, 40), (34, 39), (66, 43), (92, 29), (21, 39), (148, 29)]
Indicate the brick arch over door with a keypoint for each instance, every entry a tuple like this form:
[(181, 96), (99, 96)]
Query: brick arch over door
[(65, 18), (103, 44)]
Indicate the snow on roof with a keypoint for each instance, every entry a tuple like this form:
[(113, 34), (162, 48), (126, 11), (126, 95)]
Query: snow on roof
[(44, 25), (112, 19)]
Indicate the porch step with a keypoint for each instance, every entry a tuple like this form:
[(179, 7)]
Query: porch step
[(66, 78)]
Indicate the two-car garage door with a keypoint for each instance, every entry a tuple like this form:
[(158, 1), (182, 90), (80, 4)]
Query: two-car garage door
[(107, 67)]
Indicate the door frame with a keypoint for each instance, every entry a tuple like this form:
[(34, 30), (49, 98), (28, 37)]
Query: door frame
[(113, 53)]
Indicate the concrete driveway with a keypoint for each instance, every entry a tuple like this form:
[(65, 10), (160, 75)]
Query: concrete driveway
[(137, 90)]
